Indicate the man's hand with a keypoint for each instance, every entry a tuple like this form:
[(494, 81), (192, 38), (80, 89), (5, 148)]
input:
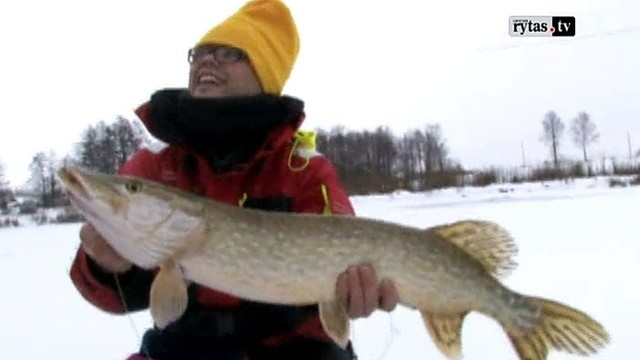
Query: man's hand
[(101, 252), (360, 292)]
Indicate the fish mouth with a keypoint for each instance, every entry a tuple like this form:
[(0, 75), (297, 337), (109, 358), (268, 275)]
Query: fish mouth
[(77, 193), (72, 181)]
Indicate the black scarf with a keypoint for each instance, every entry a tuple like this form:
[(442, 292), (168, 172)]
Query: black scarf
[(227, 131)]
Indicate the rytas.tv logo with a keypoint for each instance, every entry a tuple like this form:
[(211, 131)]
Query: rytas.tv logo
[(542, 26)]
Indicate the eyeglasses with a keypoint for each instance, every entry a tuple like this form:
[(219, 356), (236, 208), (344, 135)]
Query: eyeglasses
[(221, 53)]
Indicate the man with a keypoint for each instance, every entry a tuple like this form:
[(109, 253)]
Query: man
[(233, 137)]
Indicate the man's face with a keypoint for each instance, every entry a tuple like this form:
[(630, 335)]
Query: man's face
[(219, 71)]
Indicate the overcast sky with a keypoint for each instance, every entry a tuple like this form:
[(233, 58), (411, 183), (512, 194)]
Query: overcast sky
[(68, 64)]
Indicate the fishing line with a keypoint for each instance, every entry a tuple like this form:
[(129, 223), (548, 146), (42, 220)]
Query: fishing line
[(129, 316), (394, 331)]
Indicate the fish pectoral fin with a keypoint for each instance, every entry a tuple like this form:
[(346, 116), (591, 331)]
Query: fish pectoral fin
[(168, 298), (335, 322), (445, 330)]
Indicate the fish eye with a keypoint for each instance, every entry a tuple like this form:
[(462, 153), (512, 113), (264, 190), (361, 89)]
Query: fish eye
[(133, 186)]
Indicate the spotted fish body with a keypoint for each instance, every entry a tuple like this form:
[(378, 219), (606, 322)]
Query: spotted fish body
[(444, 272)]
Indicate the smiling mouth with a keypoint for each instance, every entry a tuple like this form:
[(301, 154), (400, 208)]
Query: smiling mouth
[(208, 79)]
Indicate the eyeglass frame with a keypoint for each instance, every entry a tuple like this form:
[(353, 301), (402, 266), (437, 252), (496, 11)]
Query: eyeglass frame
[(237, 54)]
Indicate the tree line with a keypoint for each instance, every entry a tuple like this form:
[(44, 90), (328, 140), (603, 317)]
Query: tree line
[(379, 161), (367, 161), (102, 147)]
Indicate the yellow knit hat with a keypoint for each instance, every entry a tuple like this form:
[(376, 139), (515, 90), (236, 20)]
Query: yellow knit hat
[(265, 30)]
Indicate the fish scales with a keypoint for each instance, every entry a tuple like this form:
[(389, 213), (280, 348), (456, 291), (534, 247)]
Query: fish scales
[(444, 271), (297, 260)]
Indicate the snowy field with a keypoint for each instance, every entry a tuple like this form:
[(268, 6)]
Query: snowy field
[(578, 243)]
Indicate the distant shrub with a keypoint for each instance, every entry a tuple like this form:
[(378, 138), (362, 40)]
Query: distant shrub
[(635, 180), (9, 221), (614, 182), (547, 173), (626, 169), (41, 217), (517, 179), (28, 207), (579, 170), (443, 179), (68, 215), (485, 178)]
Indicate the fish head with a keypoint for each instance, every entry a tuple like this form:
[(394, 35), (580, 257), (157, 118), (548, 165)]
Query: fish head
[(143, 221)]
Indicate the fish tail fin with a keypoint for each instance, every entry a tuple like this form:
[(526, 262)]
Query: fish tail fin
[(556, 326)]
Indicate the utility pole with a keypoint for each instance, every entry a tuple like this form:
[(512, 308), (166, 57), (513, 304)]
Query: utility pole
[(524, 163), (630, 148)]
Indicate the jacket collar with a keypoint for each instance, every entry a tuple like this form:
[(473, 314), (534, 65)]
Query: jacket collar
[(170, 117)]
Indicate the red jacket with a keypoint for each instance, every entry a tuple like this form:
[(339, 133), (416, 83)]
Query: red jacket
[(278, 169)]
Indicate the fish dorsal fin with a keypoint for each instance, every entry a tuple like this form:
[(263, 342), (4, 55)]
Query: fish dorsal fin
[(485, 241)]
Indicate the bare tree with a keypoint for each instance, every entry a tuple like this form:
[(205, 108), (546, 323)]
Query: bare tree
[(437, 148), (105, 147), (6, 195), (410, 163), (38, 180), (87, 151), (553, 128), (3, 181), (384, 152), (44, 181), (423, 157), (333, 145), (584, 133), (129, 138)]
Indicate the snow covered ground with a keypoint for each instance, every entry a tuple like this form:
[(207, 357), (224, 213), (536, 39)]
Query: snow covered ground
[(578, 243)]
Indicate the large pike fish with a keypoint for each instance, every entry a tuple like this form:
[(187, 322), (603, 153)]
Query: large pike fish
[(444, 272)]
